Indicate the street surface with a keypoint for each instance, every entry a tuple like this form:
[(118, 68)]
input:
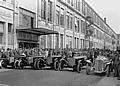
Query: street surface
[(29, 77)]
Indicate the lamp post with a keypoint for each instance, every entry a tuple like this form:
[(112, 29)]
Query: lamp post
[(88, 31)]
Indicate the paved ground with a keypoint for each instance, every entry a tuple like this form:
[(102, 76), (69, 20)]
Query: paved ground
[(53, 78)]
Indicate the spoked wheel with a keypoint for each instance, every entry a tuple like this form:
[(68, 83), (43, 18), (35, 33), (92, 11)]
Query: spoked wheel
[(3, 64), (20, 64), (56, 64), (39, 64), (35, 65), (16, 64), (88, 69), (79, 67), (61, 65)]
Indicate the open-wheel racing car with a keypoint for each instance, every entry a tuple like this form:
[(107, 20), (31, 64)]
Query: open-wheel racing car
[(101, 64), (37, 62), (76, 62), (51, 61), (6, 61)]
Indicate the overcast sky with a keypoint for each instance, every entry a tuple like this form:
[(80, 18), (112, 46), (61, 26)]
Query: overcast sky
[(109, 9)]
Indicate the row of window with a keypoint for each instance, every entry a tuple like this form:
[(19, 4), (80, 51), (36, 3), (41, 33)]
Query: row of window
[(88, 11), (44, 12), (79, 25)]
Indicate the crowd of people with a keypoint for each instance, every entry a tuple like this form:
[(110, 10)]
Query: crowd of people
[(90, 53)]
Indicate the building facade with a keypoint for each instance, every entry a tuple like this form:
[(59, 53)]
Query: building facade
[(67, 17), (6, 23)]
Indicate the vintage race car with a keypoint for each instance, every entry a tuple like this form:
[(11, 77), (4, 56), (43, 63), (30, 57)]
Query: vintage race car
[(5, 62), (99, 65), (51, 61), (75, 62), (37, 62)]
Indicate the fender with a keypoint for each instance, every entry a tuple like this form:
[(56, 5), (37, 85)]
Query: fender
[(64, 60)]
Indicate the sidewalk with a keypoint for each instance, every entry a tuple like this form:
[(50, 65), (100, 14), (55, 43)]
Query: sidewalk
[(108, 81)]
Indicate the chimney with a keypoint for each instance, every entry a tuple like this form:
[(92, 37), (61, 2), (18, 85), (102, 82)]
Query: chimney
[(105, 20)]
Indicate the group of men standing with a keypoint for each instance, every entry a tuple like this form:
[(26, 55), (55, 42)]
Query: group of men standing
[(90, 53)]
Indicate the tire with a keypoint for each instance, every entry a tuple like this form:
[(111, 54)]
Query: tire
[(79, 67), (39, 65), (56, 65), (3, 64), (16, 64), (88, 69), (108, 71), (20, 64), (61, 65), (35, 65)]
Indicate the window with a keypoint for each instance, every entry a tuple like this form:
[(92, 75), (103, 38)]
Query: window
[(75, 4), (81, 26), (68, 1), (49, 10), (1, 27), (43, 41), (61, 42), (78, 26), (62, 17), (83, 7), (49, 41), (57, 41), (75, 24), (75, 42), (57, 17), (71, 23), (43, 9), (9, 27), (68, 22), (71, 2), (78, 5), (32, 22), (1, 38)]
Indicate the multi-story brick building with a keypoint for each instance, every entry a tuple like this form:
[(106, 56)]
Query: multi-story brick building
[(68, 18)]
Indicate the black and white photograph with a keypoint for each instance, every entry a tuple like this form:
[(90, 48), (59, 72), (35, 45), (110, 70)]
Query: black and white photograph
[(59, 43)]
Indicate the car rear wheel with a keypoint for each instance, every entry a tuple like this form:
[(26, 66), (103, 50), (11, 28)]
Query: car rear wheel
[(16, 64), (79, 67), (35, 64), (3, 64), (108, 71), (61, 65), (20, 64), (88, 69), (56, 64), (39, 64)]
